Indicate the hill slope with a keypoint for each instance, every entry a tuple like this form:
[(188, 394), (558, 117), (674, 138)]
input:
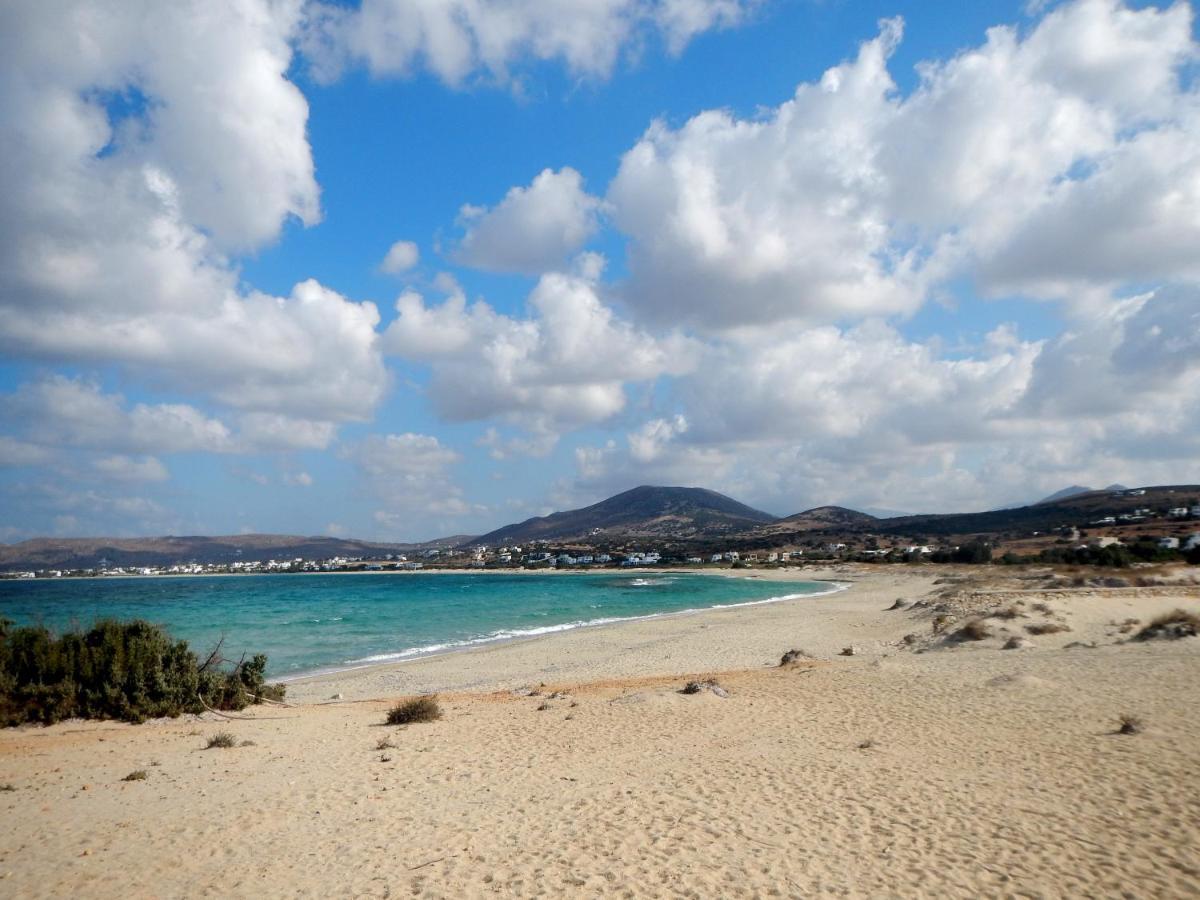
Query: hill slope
[(670, 512), (824, 517)]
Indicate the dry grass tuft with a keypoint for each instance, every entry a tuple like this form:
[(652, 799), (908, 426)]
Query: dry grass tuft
[(942, 622), (704, 684), (974, 630), (868, 744), (1047, 627), (137, 775), (1009, 612), (1130, 724), (8, 786), (418, 709), (222, 740), (1178, 623), (793, 656), (385, 743)]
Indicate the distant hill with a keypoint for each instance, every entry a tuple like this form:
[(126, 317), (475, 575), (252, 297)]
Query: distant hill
[(1072, 491), (87, 553), (1075, 490), (823, 518), (1076, 509), (683, 513)]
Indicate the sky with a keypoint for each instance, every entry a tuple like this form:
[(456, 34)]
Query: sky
[(401, 269)]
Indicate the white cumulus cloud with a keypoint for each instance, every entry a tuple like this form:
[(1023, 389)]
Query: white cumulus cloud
[(401, 257), (533, 228), (457, 40), (1057, 163), (565, 365)]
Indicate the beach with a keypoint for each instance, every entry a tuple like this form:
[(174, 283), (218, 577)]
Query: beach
[(571, 765)]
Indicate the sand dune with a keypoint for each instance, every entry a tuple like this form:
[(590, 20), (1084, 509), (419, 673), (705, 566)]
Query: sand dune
[(936, 768)]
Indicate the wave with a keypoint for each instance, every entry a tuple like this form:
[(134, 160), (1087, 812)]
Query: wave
[(509, 634)]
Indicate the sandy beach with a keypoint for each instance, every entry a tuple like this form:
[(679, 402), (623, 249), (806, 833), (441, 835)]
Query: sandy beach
[(570, 765)]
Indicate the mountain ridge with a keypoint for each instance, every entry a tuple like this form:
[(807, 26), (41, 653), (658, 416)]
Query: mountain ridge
[(647, 510)]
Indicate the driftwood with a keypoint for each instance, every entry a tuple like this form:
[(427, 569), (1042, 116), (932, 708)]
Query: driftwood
[(217, 712), (258, 699), (431, 862)]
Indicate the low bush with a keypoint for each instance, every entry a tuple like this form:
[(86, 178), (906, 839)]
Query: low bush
[(1178, 623), (418, 709), (974, 630), (222, 740), (138, 775), (130, 671)]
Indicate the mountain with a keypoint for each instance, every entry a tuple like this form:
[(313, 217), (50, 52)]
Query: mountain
[(683, 513), (823, 518), (1072, 491), (87, 553)]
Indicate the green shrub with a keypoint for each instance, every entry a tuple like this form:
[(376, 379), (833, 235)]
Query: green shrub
[(130, 671), (418, 709)]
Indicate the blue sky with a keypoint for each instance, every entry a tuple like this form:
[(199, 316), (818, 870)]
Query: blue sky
[(801, 252)]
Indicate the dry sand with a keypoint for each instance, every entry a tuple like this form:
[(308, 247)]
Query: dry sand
[(989, 772)]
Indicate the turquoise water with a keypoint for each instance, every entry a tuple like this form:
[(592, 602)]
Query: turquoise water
[(307, 623)]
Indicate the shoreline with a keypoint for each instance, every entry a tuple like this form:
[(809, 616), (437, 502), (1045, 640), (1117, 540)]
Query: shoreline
[(431, 570), (417, 654), (613, 649)]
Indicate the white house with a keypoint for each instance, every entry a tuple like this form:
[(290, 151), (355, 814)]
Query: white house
[(1192, 542), (1178, 512), (1168, 543)]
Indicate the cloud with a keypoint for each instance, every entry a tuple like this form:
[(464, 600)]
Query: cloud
[(1058, 163), (564, 366), (408, 477), (405, 456), (863, 416), (57, 411), (127, 468), (458, 40), (534, 228), (142, 149), (50, 506), (14, 453), (61, 411), (401, 257)]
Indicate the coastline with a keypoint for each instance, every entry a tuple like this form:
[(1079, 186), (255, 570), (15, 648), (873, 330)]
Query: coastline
[(620, 648), (414, 654)]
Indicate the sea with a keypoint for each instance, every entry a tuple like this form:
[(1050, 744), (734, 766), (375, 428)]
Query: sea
[(307, 624)]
